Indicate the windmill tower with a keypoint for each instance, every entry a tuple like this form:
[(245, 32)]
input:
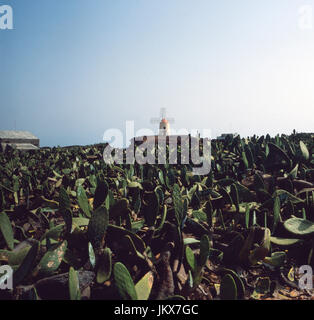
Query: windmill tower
[(164, 124)]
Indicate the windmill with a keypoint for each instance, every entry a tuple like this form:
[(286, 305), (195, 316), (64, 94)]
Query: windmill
[(164, 124)]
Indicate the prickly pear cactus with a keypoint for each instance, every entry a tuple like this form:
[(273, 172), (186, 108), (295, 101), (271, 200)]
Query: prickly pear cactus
[(120, 208), (190, 258), (64, 200), (27, 265), (104, 266), (83, 201), (178, 204), (228, 288), (52, 259), (6, 230), (124, 282), (97, 227), (74, 286), (204, 251), (151, 210), (144, 286), (101, 193)]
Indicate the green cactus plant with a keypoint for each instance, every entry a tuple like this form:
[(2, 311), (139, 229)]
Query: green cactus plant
[(52, 259), (151, 210), (124, 282), (6, 229), (104, 266), (299, 227), (83, 201), (228, 288), (238, 281), (27, 265), (144, 286), (97, 227), (74, 287), (101, 193), (178, 204), (197, 263)]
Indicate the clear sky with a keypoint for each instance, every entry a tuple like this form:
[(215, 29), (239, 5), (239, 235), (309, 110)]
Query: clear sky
[(71, 69)]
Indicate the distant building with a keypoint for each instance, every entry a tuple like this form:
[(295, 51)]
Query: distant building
[(165, 136), (20, 140)]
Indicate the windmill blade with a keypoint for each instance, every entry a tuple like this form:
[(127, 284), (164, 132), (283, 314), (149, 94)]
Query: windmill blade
[(163, 113)]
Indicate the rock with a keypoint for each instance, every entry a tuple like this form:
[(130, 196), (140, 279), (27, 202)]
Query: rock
[(57, 287)]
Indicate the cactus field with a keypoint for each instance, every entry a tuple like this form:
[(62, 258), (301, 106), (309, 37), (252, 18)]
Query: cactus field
[(74, 227)]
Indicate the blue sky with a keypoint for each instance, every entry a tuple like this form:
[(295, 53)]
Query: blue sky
[(72, 69)]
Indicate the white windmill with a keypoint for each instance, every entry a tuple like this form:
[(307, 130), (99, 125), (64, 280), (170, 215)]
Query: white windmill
[(164, 124)]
